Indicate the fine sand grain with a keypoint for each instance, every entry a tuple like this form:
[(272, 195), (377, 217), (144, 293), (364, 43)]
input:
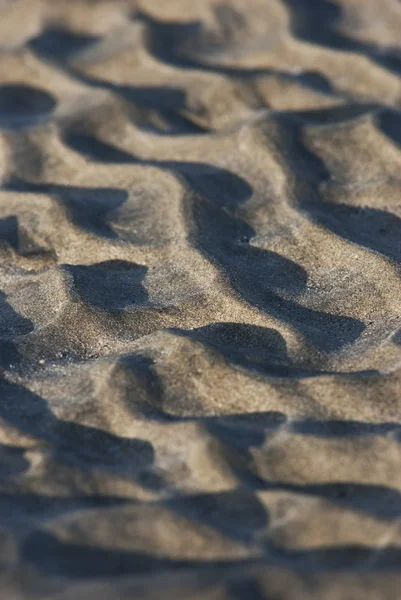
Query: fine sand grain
[(200, 299)]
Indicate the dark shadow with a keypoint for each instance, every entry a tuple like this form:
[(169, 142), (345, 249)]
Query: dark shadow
[(379, 501), (225, 187), (246, 588), (151, 404), (249, 346), (20, 241), (23, 511), (60, 44), (111, 285), (346, 429), (156, 97), (310, 168), (21, 105), (9, 231), (344, 558), (316, 21), (377, 230), (237, 514), (77, 444), (315, 81), (12, 462), (55, 557), (170, 104), (389, 122), (164, 39), (96, 149), (87, 207), (242, 428), (12, 325)]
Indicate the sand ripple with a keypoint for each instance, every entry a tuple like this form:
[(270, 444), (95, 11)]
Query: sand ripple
[(200, 299)]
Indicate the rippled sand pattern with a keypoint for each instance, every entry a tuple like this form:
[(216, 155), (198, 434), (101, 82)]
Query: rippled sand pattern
[(200, 305)]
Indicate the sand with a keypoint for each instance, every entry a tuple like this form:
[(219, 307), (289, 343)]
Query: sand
[(200, 267)]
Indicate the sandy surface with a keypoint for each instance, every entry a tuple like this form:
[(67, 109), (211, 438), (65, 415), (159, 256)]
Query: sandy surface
[(200, 303)]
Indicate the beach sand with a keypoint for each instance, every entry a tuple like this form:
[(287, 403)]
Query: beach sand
[(200, 299)]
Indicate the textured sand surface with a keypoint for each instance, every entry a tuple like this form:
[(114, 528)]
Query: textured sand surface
[(200, 275)]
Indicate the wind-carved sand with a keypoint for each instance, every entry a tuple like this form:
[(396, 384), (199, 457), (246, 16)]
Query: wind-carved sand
[(200, 299)]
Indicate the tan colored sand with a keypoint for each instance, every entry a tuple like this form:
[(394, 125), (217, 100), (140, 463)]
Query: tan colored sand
[(200, 299)]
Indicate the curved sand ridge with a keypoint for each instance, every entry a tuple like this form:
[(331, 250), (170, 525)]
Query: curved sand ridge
[(200, 299)]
